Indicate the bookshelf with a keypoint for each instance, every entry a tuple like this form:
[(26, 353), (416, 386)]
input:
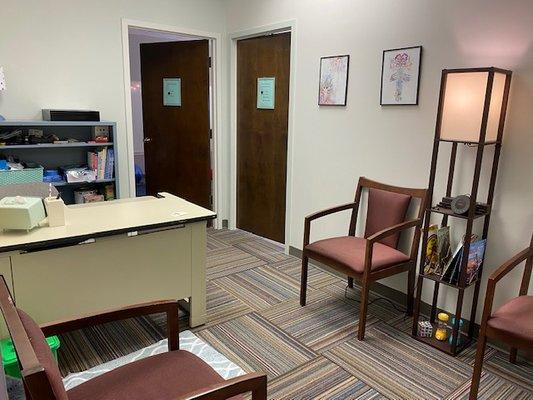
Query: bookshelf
[(466, 332), (52, 156)]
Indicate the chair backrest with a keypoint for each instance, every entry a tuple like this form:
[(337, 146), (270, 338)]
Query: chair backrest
[(39, 370), (387, 206)]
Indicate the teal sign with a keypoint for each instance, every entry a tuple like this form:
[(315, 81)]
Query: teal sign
[(172, 92), (266, 93)]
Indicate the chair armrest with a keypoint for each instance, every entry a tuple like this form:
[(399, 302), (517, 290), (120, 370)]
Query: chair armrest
[(255, 383), (332, 210), (394, 229), (170, 307), (323, 213), (509, 265)]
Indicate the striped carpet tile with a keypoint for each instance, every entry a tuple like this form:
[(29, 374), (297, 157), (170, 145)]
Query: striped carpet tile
[(399, 366), (87, 348), (264, 250), (492, 387), (260, 287), (319, 379), (378, 307), (520, 373), (316, 278), (215, 244), (324, 322), (230, 236), (255, 344), (227, 261), (221, 305)]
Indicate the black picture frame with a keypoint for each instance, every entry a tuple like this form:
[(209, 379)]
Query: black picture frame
[(343, 104), (415, 103)]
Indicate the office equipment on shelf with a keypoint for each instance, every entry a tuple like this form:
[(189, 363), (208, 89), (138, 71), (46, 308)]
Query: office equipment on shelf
[(75, 141), (21, 212), (471, 111), (70, 115), (143, 249)]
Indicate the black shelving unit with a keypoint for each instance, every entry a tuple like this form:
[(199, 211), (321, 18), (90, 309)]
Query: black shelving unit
[(52, 156)]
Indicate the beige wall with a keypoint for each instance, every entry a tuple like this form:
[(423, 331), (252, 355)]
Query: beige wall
[(68, 54), (334, 146)]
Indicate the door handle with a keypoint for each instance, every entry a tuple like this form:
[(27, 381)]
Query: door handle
[(147, 140)]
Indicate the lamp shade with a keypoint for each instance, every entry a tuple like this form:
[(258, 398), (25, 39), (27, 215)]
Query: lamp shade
[(2, 79), (463, 107)]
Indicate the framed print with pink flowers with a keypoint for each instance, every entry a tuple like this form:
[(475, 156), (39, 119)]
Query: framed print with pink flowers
[(400, 76), (333, 84)]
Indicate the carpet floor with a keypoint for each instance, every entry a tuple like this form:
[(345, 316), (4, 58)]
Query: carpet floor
[(255, 320)]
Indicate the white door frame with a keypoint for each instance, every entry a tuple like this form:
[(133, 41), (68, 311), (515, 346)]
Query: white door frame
[(216, 72), (284, 26)]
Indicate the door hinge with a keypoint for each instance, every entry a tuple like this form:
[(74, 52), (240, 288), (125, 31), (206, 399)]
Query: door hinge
[(210, 133), (210, 63)]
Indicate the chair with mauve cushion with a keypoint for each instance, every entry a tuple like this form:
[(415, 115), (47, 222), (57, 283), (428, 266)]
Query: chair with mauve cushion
[(512, 323), (177, 374), (375, 255)]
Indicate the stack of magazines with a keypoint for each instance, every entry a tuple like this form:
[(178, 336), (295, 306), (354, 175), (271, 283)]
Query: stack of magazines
[(442, 262)]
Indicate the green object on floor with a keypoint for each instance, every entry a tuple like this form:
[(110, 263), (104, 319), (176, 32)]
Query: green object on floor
[(9, 356)]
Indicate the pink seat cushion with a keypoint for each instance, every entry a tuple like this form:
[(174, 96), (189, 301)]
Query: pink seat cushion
[(165, 376), (515, 319), (385, 209), (349, 252)]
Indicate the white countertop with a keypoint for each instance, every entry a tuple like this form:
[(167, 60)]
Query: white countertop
[(84, 221)]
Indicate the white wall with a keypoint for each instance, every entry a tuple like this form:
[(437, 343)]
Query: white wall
[(334, 146), (68, 53)]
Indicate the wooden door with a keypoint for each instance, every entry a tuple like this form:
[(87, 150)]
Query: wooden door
[(176, 138), (262, 136)]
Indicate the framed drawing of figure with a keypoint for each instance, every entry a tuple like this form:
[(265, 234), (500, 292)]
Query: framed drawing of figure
[(333, 86), (400, 76)]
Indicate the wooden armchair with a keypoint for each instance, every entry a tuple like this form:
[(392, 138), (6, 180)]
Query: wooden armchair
[(177, 374), (512, 323), (374, 256)]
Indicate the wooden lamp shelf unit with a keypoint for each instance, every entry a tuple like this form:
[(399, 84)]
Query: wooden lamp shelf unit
[(493, 84)]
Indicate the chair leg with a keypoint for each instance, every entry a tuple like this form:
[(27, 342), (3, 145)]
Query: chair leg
[(512, 355), (350, 282), (476, 376), (363, 310), (410, 291), (303, 283)]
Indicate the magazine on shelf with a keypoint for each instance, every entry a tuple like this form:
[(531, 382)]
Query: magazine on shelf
[(431, 259), (443, 249), (475, 259)]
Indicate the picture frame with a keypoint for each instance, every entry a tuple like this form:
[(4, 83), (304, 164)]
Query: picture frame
[(333, 80), (400, 76)]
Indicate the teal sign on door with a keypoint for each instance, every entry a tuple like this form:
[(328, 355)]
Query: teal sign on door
[(266, 93), (172, 92)]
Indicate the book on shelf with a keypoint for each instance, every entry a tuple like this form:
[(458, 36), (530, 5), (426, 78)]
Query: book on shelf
[(438, 250), (476, 254), (102, 162)]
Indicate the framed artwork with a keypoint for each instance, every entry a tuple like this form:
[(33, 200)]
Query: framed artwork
[(400, 76), (333, 83)]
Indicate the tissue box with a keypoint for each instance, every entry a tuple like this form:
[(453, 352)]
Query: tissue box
[(21, 212)]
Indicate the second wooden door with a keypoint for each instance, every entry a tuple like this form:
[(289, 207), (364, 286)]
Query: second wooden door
[(262, 136)]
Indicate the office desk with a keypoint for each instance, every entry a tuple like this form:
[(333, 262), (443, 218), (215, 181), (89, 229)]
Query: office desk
[(110, 254)]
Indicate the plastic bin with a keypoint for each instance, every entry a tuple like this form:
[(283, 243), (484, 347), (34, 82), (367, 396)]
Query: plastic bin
[(27, 175), (9, 356)]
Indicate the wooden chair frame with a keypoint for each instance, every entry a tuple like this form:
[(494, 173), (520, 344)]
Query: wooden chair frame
[(485, 331), (368, 276), (37, 385)]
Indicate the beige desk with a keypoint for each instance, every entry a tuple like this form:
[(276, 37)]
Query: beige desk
[(109, 255)]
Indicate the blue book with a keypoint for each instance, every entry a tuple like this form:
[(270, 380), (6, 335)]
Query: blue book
[(110, 163)]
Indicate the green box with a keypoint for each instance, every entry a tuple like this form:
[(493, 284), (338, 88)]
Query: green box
[(9, 356)]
